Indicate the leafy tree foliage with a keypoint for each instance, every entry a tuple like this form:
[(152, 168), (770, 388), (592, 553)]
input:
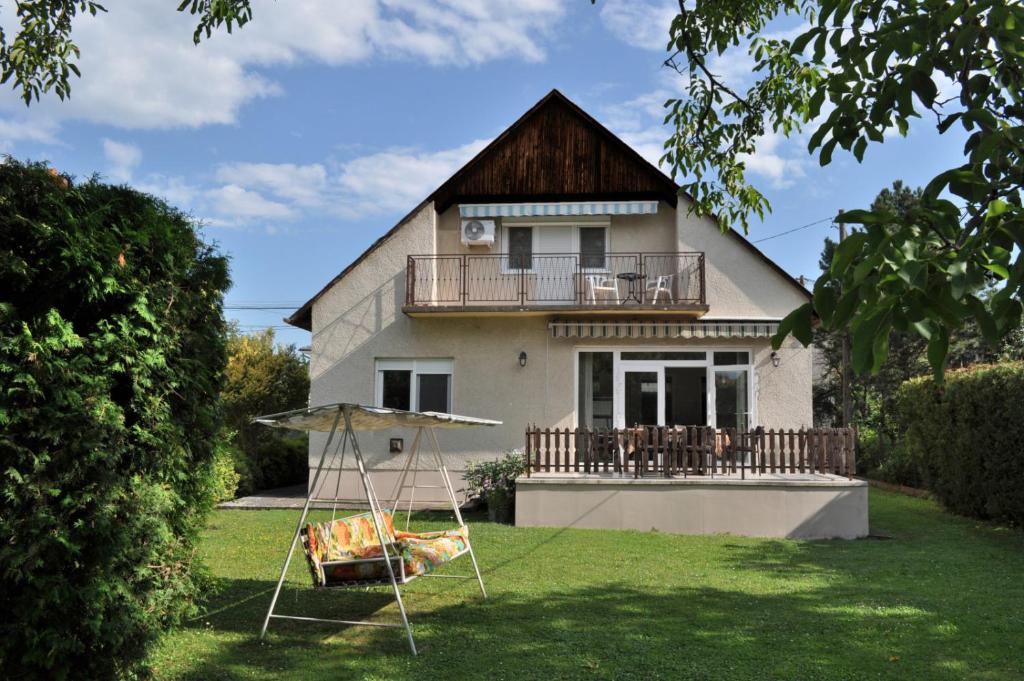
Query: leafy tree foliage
[(874, 396), (858, 69), (264, 378), (41, 55), (112, 347)]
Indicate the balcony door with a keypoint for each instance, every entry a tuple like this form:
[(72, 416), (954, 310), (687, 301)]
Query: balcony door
[(658, 386), (554, 265), (661, 393)]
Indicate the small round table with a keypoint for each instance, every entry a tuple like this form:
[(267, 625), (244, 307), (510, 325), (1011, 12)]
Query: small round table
[(632, 290)]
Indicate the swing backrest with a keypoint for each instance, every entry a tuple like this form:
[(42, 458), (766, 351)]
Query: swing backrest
[(347, 538)]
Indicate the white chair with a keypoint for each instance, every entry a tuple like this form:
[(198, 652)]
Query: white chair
[(661, 285), (601, 284)]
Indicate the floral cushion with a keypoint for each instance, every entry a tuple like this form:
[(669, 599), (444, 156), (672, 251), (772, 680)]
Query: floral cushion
[(331, 547), (425, 552)]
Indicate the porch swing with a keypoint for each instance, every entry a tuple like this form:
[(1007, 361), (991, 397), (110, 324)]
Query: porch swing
[(366, 549)]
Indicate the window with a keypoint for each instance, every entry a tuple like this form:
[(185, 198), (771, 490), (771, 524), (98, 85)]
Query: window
[(395, 391), (520, 248), (731, 358), (656, 355), (593, 247), (415, 384), (595, 389)]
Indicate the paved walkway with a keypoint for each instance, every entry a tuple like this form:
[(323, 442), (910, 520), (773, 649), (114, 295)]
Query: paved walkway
[(282, 497)]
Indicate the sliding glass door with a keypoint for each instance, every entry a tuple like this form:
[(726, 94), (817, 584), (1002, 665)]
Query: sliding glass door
[(657, 387)]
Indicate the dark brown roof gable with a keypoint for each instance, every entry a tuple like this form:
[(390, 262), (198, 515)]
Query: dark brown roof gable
[(556, 151)]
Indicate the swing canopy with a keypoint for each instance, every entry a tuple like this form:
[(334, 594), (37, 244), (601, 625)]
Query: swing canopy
[(322, 419)]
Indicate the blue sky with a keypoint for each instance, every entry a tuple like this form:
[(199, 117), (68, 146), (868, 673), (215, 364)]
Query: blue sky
[(303, 137)]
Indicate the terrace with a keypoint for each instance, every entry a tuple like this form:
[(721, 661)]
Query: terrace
[(694, 480)]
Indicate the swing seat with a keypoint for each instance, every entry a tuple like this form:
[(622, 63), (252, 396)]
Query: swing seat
[(346, 552)]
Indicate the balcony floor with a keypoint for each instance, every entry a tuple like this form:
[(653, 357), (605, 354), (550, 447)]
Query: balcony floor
[(538, 310)]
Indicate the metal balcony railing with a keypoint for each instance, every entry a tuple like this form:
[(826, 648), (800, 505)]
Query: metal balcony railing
[(556, 279)]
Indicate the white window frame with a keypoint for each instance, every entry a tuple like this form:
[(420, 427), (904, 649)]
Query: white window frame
[(416, 367), (620, 366)]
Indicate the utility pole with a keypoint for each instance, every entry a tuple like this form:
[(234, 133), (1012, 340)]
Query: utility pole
[(847, 416)]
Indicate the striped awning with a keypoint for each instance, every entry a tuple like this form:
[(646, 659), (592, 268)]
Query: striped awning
[(570, 328), (556, 209)]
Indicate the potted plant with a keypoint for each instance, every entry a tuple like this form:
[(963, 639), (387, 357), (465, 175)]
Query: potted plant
[(494, 482)]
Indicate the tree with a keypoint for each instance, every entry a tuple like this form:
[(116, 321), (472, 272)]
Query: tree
[(264, 378), (112, 348), (874, 394), (42, 55), (858, 69)]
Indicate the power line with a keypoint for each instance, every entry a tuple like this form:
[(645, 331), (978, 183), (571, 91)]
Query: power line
[(790, 231)]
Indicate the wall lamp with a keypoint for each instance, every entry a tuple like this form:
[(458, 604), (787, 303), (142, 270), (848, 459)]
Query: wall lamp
[(522, 358), (776, 360)]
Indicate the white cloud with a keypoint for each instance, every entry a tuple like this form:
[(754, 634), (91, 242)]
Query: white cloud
[(639, 123), (240, 204), (396, 180), (389, 181), (769, 160), (640, 23), (123, 158), (26, 129), (304, 185), (140, 69), (174, 190)]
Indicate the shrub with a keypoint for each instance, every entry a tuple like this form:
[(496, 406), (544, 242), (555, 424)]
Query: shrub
[(265, 378), (965, 439), (284, 460), (495, 483), (225, 475), (111, 353), (881, 457)]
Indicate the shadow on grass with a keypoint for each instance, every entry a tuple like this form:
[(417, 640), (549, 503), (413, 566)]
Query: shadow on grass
[(607, 631)]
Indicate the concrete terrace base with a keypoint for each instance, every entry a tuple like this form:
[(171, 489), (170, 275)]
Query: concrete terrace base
[(808, 506)]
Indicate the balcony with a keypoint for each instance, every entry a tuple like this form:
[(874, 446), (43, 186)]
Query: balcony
[(564, 283)]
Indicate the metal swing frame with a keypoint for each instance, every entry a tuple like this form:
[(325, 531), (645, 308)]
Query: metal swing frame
[(373, 418)]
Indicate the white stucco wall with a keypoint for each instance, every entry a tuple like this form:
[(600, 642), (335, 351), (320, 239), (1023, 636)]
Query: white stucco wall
[(740, 284)]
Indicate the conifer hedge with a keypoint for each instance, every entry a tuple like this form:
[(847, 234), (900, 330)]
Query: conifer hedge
[(967, 439), (112, 345)]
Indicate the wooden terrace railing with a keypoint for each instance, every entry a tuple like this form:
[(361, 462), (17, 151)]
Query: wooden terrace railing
[(690, 450)]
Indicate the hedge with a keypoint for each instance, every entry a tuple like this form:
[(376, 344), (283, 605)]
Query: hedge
[(111, 355), (967, 439)]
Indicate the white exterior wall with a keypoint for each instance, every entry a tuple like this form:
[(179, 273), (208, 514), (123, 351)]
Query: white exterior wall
[(360, 319)]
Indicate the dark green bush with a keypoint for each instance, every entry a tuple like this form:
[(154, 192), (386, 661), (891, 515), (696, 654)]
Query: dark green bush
[(881, 457), (966, 439), (278, 462), (111, 355)]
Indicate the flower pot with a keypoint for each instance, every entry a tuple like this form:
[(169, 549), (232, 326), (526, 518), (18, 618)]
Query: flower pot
[(501, 507)]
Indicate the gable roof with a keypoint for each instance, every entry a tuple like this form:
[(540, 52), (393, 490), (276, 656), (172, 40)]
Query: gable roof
[(589, 162)]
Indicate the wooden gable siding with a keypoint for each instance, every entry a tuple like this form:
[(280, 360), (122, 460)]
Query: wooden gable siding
[(556, 152)]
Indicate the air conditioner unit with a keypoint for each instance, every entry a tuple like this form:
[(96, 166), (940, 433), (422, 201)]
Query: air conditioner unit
[(478, 232)]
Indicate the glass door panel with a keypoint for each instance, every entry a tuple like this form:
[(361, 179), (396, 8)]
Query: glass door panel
[(732, 407), (685, 396), (641, 398)]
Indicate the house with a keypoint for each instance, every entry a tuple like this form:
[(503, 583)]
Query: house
[(558, 281)]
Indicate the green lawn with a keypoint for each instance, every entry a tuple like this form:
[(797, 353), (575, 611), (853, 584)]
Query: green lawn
[(943, 599)]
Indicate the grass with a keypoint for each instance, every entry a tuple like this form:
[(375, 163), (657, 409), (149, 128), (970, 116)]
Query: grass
[(944, 599)]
